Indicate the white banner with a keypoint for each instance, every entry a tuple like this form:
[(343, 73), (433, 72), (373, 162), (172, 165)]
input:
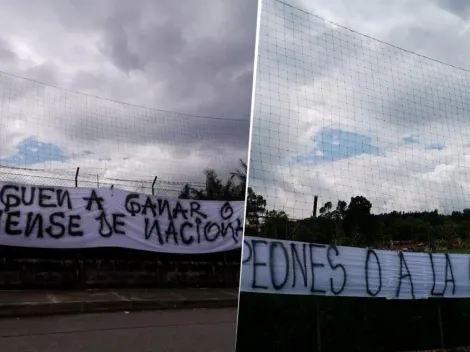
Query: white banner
[(287, 267), (59, 217)]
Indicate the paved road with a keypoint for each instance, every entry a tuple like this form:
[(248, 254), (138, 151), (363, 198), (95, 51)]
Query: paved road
[(209, 330)]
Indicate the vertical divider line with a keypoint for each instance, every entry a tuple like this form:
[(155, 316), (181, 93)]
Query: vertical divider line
[(255, 68)]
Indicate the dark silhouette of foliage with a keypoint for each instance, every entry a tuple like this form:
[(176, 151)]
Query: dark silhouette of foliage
[(255, 207), (358, 324), (215, 189), (354, 224)]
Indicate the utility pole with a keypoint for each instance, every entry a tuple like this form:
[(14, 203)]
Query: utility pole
[(317, 298), (315, 203)]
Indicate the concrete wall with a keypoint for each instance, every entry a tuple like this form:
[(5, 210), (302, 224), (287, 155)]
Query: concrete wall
[(28, 269)]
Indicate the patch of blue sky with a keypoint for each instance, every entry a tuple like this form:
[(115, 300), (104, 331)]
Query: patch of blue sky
[(31, 151), (335, 144), (435, 146), (410, 140)]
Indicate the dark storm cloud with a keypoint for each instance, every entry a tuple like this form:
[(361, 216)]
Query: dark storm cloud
[(222, 63), (290, 37), (459, 7), (6, 53), (213, 62), (208, 74), (132, 124), (389, 85)]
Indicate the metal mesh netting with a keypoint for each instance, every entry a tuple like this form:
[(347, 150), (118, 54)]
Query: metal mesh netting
[(70, 178), (339, 114), (47, 132)]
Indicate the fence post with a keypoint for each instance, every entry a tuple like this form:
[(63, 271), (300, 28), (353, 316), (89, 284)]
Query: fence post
[(318, 324), (441, 330), (315, 204), (153, 185), (79, 267), (317, 298), (98, 180), (76, 176), (439, 315)]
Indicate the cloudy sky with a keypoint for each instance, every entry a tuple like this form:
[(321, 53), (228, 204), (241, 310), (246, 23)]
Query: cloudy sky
[(338, 114), (179, 56)]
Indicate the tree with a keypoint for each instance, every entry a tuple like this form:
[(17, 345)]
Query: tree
[(240, 175), (358, 222), (341, 208), (214, 189), (359, 205), (325, 210), (276, 224), (255, 207)]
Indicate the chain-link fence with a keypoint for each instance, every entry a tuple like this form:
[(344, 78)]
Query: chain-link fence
[(324, 324), (106, 267), (77, 178), (380, 135)]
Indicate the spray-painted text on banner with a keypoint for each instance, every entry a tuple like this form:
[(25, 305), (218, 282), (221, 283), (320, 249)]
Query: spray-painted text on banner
[(55, 217), (287, 267)]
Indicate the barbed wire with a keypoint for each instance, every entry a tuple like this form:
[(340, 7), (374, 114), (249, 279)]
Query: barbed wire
[(70, 178)]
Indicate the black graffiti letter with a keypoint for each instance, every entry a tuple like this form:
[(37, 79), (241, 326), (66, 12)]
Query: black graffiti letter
[(238, 229), (433, 292), (44, 197), (148, 205), (272, 266), (178, 209), (315, 265), (447, 279), (9, 200), (198, 227), (226, 228), (106, 229), (403, 276), (34, 220), (61, 228), (62, 197), (171, 231), (248, 258), (185, 240), (334, 267), (118, 223), (379, 269), (132, 207), (155, 226), (208, 229), (226, 211), (296, 259), (11, 223), (195, 208), (164, 206), (93, 198), (74, 227), (30, 199), (256, 263)]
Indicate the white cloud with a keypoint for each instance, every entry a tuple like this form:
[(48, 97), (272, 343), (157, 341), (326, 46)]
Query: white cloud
[(194, 59), (314, 75)]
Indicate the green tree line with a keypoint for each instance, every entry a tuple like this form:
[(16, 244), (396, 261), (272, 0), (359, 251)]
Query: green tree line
[(344, 223), (324, 324), (233, 189), (216, 189), (354, 224)]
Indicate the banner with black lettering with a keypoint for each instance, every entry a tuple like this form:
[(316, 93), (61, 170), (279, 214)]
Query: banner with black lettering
[(288, 267), (58, 217)]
